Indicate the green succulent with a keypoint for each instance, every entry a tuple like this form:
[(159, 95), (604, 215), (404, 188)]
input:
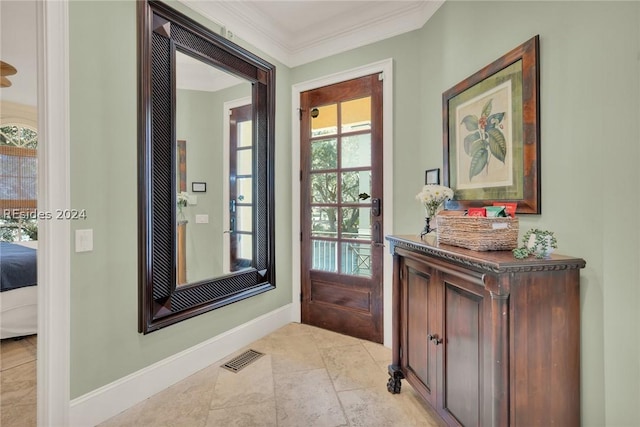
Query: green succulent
[(544, 240)]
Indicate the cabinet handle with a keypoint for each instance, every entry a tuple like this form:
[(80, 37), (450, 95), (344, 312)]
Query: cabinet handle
[(434, 337)]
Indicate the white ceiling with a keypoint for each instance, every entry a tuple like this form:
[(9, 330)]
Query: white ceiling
[(193, 74), (18, 48), (296, 32)]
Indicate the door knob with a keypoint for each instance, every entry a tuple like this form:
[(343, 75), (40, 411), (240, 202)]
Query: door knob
[(434, 338)]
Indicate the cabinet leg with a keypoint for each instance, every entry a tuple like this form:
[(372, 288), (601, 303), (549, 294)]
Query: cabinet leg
[(394, 384)]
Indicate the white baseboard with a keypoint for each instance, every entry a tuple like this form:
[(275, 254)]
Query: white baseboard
[(107, 401)]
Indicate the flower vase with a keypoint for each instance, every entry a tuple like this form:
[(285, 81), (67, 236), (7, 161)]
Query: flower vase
[(427, 229)]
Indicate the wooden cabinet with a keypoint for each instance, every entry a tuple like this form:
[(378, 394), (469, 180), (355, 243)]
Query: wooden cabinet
[(485, 339)]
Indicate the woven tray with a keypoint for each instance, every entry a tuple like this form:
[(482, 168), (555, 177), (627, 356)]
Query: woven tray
[(478, 233)]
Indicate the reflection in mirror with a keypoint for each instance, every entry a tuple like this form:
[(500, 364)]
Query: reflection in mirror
[(241, 211), (205, 233), (181, 184), (199, 251)]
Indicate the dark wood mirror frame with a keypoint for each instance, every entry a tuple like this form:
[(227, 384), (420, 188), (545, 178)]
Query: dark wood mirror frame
[(161, 30)]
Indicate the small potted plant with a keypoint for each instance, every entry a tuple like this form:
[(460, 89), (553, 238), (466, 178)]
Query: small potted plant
[(539, 243)]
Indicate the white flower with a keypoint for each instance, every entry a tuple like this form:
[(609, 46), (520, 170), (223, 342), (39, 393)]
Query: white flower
[(183, 199), (432, 196)]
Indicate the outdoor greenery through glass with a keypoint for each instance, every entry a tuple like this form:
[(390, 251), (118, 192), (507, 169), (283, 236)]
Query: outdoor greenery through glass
[(19, 175), (340, 216)]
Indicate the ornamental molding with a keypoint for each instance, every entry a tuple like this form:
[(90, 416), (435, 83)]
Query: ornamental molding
[(524, 266)]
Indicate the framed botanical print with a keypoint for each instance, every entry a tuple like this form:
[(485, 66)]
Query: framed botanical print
[(491, 133)]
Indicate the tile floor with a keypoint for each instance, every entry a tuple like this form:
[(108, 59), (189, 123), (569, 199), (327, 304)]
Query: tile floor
[(307, 377), (18, 382)]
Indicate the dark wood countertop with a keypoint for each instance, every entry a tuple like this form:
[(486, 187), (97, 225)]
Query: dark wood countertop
[(495, 261)]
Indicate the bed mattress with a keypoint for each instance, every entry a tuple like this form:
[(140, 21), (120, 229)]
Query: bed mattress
[(19, 308)]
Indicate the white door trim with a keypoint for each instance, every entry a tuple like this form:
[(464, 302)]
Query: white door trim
[(386, 68), (54, 246)]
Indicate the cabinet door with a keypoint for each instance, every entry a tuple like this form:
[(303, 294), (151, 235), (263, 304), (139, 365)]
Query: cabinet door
[(462, 385), (421, 308)]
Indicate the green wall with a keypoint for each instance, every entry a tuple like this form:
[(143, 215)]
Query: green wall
[(105, 344), (199, 121), (589, 141)]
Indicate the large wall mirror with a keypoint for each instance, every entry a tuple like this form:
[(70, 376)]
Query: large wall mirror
[(206, 129)]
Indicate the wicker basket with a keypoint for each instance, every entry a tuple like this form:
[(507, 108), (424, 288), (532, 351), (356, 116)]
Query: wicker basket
[(478, 233)]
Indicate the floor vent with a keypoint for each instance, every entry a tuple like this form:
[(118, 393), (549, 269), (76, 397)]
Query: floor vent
[(242, 361)]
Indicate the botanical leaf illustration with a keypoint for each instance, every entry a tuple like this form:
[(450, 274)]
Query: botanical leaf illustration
[(477, 146), (470, 122), (470, 139), (486, 110), (478, 162), (494, 120), (497, 144), (486, 137)]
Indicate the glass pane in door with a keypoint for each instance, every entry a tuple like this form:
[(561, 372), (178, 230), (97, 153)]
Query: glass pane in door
[(324, 187), (326, 120), (245, 136), (356, 258), (324, 222), (244, 251), (356, 115), (356, 151), (245, 165), (324, 154), (340, 186), (324, 255), (356, 223), (244, 218), (244, 188), (355, 184)]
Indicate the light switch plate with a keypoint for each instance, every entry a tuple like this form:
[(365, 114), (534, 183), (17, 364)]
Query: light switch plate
[(202, 219), (84, 240)]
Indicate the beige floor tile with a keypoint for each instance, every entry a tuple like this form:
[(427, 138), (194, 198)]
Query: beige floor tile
[(415, 408), (16, 352), (307, 385), (378, 352), (351, 367), (18, 399), (183, 404), (309, 413), (251, 385), (327, 339), (307, 399), (299, 354), (292, 329), (130, 418), (293, 385), (378, 408), (258, 415)]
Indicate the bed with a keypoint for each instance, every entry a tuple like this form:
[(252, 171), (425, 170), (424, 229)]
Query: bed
[(18, 290)]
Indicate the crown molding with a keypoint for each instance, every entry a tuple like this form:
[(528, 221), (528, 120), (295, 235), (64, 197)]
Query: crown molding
[(245, 21)]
